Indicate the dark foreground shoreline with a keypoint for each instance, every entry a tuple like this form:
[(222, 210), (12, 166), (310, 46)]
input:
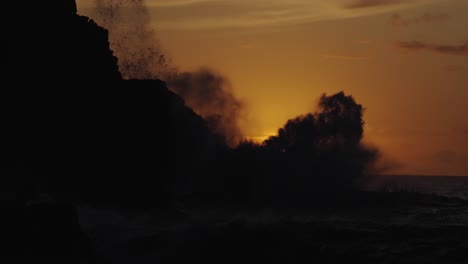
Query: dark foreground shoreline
[(369, 228)]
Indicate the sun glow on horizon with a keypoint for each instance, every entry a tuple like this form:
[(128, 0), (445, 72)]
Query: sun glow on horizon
[(259, 139)]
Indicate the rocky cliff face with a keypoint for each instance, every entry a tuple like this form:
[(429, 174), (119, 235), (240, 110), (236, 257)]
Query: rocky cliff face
[(47, 40), (79, 129)]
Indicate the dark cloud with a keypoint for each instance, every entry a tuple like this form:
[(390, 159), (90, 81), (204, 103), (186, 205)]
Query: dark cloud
[(399, 20), (453, 68), (445, 156), (430, 17), (457, 50), (371, 3)]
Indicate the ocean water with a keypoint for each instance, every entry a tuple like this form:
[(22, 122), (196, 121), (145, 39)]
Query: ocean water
[(451, 186)]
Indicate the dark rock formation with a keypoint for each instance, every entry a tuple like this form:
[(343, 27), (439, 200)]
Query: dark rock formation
[(44, 232), (49, 41), (53, 234), (82, 131)]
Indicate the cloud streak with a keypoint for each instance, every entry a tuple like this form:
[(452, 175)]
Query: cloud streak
[(343, 57), (456, 50), (151, 3), (216, 14), (398, 20), (371, 3)]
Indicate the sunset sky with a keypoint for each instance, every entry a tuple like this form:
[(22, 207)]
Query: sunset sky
[(405, 61)]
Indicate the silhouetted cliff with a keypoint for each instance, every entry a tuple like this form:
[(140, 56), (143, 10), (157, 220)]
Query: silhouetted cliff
[(81, 131), (47, 40)]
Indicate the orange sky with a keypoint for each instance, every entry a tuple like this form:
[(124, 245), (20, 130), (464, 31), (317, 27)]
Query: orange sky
[(405, 61)]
